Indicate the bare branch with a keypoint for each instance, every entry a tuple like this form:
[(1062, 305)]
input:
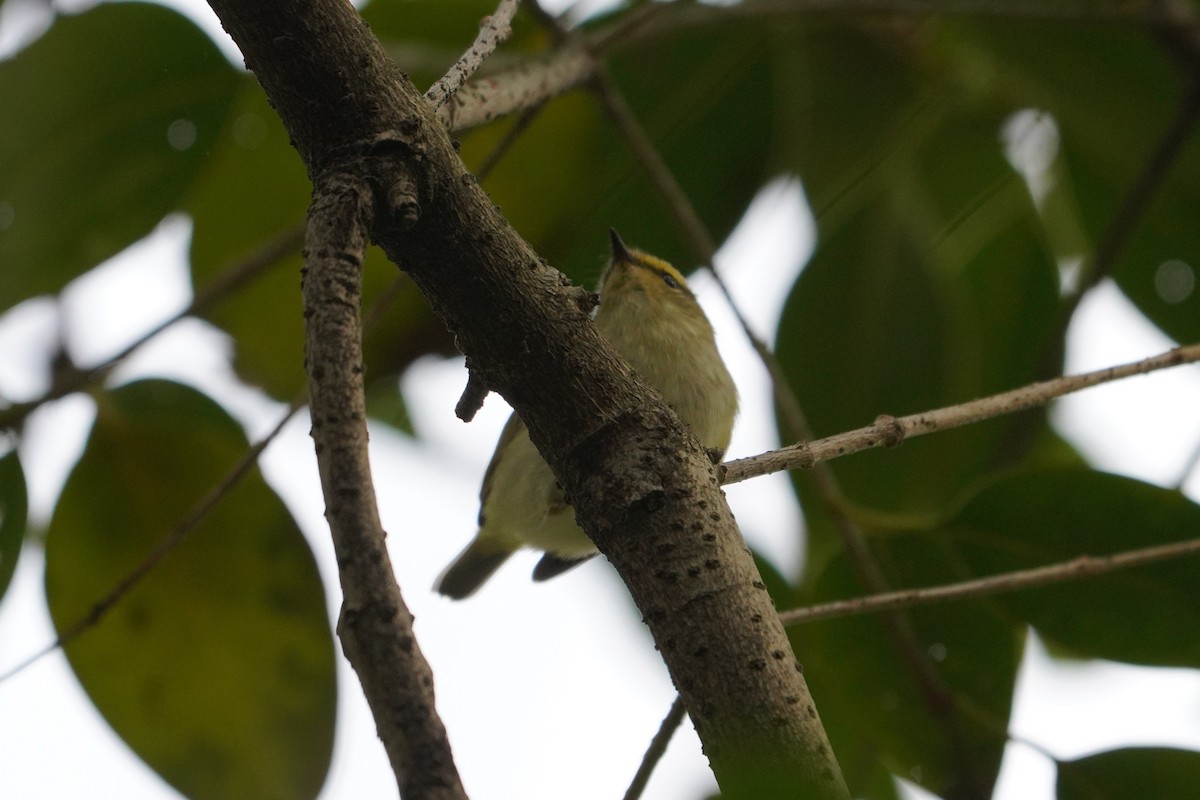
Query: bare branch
[(892, 431), (656, 750), (492, 31), (1074, 569), (375, 625), (517, 89), (1189, 467)]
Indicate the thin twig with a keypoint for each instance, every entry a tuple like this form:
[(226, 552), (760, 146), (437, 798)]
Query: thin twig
[(168, 544), (493, 30), (891, 431), (509, 139), (234, 277), (656, 750), (1189, 467), (1073, 569)]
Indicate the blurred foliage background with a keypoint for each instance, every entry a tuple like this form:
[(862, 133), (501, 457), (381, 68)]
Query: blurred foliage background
[(972, 175)]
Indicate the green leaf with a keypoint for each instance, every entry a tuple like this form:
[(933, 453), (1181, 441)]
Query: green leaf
[(841, 114), (709, 112), (945, 734), (1158, 772), (869, 329), (1114, 91), (253, 190), (14, 508), (931, 288), (218, 668), (1140, 616), (117, 110), (931, 283)]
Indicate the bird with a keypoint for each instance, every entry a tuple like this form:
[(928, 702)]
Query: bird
[(652, 319)]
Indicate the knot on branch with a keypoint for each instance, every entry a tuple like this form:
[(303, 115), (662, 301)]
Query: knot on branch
[(890, 430), (399, 190), (395, 142), (403, 207)]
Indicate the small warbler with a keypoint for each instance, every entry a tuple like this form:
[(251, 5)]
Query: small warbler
[(653, 320)]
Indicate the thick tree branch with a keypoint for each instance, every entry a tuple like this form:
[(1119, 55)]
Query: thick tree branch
[(642, 486)]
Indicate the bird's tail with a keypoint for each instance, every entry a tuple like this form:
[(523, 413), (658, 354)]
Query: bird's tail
[(472, 567)]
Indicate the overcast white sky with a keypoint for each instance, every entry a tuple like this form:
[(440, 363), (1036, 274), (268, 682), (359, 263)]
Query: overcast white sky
[(547, 690)]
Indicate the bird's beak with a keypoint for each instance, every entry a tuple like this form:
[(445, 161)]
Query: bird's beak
[(619, 251)]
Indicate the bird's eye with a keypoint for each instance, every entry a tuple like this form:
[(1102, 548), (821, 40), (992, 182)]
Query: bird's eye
[(669, 280)]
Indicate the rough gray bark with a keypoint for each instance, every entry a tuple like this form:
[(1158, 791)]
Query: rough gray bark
[(375, 626), (643, 487)]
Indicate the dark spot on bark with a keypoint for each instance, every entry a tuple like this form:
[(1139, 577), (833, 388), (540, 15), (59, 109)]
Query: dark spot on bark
[(654, 615), (650, 503)]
